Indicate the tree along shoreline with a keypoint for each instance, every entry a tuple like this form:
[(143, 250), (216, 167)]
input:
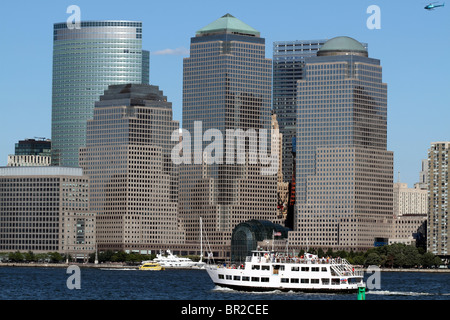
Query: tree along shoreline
[(392, 257)]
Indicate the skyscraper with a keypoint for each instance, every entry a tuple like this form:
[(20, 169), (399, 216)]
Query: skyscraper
[(226, 86), (344, 178), (288, 67), (438, 205), (133, 180), (85, 62), (288, 64)]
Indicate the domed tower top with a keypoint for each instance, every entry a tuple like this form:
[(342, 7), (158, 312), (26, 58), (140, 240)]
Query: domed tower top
[(342, 46)]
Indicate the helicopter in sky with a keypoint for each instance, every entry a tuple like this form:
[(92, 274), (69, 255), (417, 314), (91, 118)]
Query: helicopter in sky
[(432, 6)]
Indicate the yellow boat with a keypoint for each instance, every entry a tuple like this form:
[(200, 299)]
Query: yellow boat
[(151, 266)]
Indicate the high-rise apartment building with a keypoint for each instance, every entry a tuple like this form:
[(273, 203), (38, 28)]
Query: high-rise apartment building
[(288, 67), (226, 86), (344, 174), (133, 179), (85, 62), (438, 205), (46, 209)]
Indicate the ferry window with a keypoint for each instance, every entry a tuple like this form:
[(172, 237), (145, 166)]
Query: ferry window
[(294, 280), (228, 277), (220, 276), (245, 278), (256, 279), (314, 280), (295, 268), (237, 278), (264, 279), (304, 280), (255, 267), (305, 268), (325, 281), (335, 281), (284, 280), (324, 269), (315, 269), (266, 267)]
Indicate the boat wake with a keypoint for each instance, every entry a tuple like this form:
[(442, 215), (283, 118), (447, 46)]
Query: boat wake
[(275, 291), (401, 293)]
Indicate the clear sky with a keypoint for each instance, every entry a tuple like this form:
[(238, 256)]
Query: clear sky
[(412, 44)]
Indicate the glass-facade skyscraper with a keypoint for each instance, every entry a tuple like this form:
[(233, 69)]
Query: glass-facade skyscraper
[(85, 62), (344, 174), (226, 86)]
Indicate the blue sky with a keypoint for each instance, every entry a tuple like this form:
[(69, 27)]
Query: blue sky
[(412, 44)]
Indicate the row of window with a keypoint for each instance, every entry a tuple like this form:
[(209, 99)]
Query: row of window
[(325, 281)]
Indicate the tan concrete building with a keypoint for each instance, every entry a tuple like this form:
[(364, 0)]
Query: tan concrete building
[(134, 187), (46, 209), (438, 205), (226, 86), (409, 200), (344, 174), (410, 213)]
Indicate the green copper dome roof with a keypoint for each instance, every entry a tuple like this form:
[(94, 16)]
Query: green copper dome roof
[(340, 45), (230, 24)]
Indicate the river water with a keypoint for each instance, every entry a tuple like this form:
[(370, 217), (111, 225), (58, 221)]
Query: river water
[(23, 283)]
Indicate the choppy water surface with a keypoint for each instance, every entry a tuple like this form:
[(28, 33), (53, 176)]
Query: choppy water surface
[(21, 283)]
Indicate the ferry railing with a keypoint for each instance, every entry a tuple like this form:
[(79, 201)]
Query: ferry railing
[(343, 268)]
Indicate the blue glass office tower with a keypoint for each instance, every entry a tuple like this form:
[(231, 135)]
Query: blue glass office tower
[(85, 62)]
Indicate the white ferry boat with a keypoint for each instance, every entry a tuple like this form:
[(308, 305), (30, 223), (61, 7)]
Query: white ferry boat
[(266, 271)]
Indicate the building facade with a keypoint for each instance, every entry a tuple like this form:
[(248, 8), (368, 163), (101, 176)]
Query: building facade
[(46, 209), (85, 62), (438, 191), (344, 174), (289, 67), (134, 183), (226, 86), (410, 214), (31, 152)]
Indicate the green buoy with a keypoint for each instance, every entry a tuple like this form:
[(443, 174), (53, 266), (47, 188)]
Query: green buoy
[(361, 292)]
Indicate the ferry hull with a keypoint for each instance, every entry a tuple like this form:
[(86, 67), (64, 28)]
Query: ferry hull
[(283, 289)]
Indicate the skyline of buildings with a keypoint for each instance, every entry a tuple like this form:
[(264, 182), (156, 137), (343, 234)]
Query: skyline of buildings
[(85, 62), (227, 85)]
